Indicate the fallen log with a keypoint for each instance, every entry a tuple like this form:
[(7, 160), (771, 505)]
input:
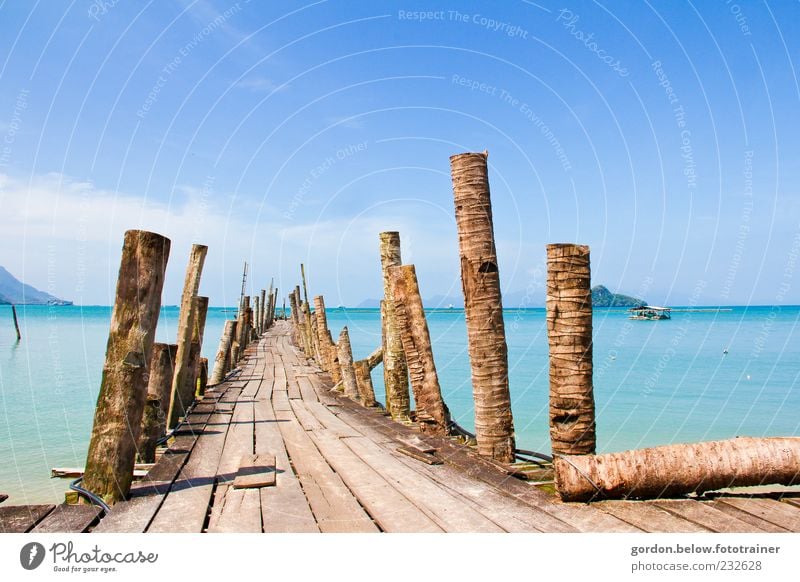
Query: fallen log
[(672, 470)]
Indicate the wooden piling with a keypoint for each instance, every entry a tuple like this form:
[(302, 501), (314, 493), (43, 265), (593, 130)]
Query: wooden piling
[(395, 370), (159, 385), (297, 335), (431, 411), (346, 365), (261, 319), (366, 391), (222, 362), (123, 388), (257, 315), (569, 333), (305, 326), (201, 305), (191, 285), (483, 306), (184, 395), (202, 377), (322, 331), (16, 323)]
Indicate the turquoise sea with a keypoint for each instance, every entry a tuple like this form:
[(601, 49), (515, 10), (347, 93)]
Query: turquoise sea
[(655, 382)]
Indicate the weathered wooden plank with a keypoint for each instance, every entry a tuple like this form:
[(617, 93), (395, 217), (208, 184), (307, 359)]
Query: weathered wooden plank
[(69, 519), (705, 515), (307, 391), (185, 507), (307, 420), (747, 516), (255, 471), (390, 509), (508, 513), (793, 501), (240, 512), (769, 510), (566, 518), (22, 518), (330, 421), (284, 508), (334, 507), (649, 517), (447, 511), (135, 514)]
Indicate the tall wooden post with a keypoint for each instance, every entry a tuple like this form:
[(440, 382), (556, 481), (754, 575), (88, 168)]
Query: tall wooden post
[(364, 383), (123, 388), (191, 284), (202, 377), (261, 319), (569, 333), (395, 370), (222, 362), (190, 388), (431, 411), (346, 365), (159, 384), (16, 323), (483, 306), (257, 315), (322, 331), (295, 315), (243, 329), (302, 315)]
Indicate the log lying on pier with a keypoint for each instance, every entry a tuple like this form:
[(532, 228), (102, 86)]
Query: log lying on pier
[(431, 411), (679, 469), (483, 306), (123, 388)]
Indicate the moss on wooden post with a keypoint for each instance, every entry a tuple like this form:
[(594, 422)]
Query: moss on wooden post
[(123, 388), (222, 361), (191, 284), (395, 371), (483, 306), (431, 411), (346, 366), (569, 333), (159, 385)]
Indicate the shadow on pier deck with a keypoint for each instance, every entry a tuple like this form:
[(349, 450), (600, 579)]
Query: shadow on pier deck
[(337, 468)]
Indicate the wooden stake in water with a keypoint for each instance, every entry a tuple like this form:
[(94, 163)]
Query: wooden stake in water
[(569, 333), (123, 388), (16, 324), (191, 285), (483, 306)]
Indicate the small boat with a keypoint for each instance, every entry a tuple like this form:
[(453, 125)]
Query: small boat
[(451, 306), (650, 312)]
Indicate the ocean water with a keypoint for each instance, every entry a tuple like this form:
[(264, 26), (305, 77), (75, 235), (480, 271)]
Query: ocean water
[(656, 382)]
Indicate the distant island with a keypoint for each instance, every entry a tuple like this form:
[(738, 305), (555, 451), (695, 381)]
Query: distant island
[(14, 291), (602, 297)]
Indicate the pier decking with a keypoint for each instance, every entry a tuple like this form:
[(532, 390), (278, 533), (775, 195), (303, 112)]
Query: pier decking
[(338, 468)]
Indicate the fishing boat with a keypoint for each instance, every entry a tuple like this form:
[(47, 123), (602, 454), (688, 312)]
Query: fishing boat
[(650, 312)]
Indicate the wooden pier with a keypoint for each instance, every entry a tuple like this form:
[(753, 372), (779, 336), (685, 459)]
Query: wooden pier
[(320, 462)]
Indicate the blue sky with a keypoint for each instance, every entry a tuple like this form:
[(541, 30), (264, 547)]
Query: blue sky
[(662, 134)]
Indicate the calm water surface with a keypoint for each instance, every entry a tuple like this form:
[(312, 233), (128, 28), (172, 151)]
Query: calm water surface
[(655, 382)]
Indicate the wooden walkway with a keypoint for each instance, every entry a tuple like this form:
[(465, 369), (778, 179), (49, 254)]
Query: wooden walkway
[(338, 468)]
